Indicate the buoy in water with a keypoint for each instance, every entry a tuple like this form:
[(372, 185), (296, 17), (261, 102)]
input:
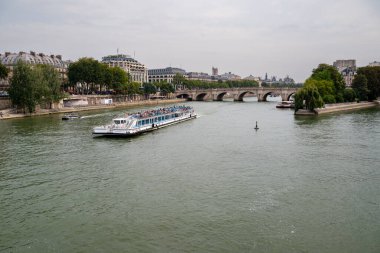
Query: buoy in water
[(256, 127)]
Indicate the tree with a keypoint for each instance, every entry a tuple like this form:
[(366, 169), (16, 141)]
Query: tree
[(359, 84), (373, 80), (133, 88), (149, 88), (22, 90), (325, 88), (178, 79), (86, 71), (309, 98), (349, 95), (49, 84), (330, 73), (3, 71)]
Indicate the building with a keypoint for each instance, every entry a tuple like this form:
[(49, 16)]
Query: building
[(348, 70), (32, 58), (199, 76), (253, 78), (374, 64), (164, 75), (214, 71), (227, 77), (137, 71)]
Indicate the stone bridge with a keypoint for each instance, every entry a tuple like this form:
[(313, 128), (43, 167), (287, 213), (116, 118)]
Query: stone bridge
[(237, 93)]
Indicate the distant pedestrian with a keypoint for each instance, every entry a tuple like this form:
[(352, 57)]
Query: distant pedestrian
[(1, 114)]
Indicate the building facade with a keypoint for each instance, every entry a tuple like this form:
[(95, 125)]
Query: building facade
[(215, 71), (199, 76), (11, 59), (137, 71), (374, 64), (164, 75), (348, 70)]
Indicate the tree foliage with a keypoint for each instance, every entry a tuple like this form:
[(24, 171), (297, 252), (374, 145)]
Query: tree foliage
[(22, 90), (93, 76), (31, 86), (49, 84), (325, 87), (308, 98), (359, 84), (149, 88), (330, 73), (372, 75), (3, 71), (349, 95)]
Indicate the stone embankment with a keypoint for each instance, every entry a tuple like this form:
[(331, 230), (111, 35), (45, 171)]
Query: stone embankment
[(341, 107), (10, 114)]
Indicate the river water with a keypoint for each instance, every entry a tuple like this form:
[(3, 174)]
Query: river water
[(212, 184)]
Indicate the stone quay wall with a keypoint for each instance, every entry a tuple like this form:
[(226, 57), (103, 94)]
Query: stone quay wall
[(341, 107)]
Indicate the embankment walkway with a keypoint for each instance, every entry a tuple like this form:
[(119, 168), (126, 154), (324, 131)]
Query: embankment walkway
[(9, 114), (341, 107)]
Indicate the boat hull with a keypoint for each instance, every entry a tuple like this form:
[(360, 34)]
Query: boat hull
[(103, 132)]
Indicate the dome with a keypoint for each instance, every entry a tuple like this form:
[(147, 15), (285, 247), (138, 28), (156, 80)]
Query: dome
[(10, 59)]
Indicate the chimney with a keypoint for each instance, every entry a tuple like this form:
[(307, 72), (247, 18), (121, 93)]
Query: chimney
[(52, 56), (33, 53), (41, 54), (59, 56)]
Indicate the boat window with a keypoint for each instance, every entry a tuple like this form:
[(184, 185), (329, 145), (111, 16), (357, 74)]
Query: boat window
[(117, 122), (147, 121), (155, 119)]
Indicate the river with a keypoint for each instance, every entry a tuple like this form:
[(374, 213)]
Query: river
[(212, 184)]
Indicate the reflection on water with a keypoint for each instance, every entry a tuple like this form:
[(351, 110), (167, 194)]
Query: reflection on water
[(214, 184)]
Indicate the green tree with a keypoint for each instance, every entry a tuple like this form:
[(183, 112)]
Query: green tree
[(178, 79), (88, 72), (373, 80), (149, 88), (3, 71), (325, 88), (49, 85), (22, 90), (330, 73), (359, 84), (308, 98), (349, 95)]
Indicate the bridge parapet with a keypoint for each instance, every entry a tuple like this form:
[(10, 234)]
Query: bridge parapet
[(238, 93)]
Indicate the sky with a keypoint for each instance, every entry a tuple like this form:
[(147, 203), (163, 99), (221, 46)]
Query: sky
[(245, 37)]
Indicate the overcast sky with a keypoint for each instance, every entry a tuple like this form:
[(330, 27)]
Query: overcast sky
[(280, 37)]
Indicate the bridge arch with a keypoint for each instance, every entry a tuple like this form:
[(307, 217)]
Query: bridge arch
[(290, 95), (264, 98), (201, 96), (241, 95), (220, 96), (184, 95)]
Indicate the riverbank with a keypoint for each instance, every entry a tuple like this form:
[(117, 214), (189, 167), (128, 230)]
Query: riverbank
[(341, 107), (9, 114)]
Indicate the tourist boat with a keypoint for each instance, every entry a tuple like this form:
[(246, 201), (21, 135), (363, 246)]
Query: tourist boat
[(69, 116), (137, 123), (285, 104)]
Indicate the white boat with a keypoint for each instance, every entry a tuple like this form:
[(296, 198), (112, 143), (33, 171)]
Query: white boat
[(285, 104), (71, 116), (136, 123)]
